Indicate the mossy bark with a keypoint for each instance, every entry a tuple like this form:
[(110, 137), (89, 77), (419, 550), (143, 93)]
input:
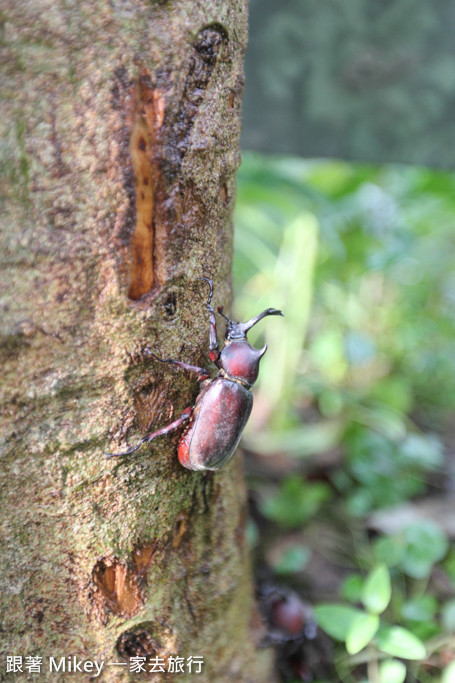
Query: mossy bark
[(120, 126)]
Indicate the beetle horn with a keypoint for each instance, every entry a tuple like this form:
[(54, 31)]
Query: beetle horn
[(262, 351), (244, 327)]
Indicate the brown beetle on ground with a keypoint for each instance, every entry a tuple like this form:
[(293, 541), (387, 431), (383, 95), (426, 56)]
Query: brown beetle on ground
[(224, 403)]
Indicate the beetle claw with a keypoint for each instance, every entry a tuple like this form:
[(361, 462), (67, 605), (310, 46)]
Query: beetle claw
[(148, 352), (131, 450), (207, 279), (153, 355)]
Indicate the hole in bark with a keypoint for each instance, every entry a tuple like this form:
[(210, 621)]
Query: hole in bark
[(170, 305), (138, 643), (118, 588), (224, 193), (209, 41), (143, 558)]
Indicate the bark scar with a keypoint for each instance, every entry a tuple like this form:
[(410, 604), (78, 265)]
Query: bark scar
[(159, 141), (148, 118), (119, 586)]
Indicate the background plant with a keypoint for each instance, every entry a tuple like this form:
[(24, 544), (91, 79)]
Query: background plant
[(358, 376)]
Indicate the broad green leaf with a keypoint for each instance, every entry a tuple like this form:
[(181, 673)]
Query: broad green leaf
[(392, 671), (426, 543), (422, 608), (292, 283), (424, 450), (295, 501), (448, 675), (361, 632), (377, 589), (360, 503), (389, 549), (292, 560), (399, 642), (351, 588), (395, 392), (336, 620)]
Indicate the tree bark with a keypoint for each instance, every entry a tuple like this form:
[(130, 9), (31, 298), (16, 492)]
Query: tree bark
[(121, 123)]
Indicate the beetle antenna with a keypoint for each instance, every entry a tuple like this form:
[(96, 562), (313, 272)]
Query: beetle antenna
[(231, 325), (220, 310)]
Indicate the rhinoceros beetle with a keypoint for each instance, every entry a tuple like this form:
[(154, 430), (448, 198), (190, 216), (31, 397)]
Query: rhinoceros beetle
[(224, 403)]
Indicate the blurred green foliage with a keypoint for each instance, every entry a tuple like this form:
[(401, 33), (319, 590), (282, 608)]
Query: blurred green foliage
[(383, 315), (392, 619), (361, 260), (295, 501)]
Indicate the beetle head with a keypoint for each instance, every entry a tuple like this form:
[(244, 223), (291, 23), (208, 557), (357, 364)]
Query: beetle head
[(239, 359)]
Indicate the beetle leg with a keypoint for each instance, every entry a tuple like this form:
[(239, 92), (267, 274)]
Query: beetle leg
[(214, 353), (201, 373), (159, 432)]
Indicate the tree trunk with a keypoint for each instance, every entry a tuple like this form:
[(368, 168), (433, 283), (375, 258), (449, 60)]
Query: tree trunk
[(121, 122)]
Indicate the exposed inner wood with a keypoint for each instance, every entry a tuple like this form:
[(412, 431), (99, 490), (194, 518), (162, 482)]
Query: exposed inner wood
[(118, 587), (143, 237)]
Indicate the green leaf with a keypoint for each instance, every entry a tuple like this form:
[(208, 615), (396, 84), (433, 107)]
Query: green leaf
[(360, 502), (448, 675), (295, 502), (423, 450), (392, 671), (395, 392), (377, 589), (361, 631), (422, 608), (399, 642), (291, 280), (336, 620), (292, 560), (351, 588), (426, 543), (389, 549)]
